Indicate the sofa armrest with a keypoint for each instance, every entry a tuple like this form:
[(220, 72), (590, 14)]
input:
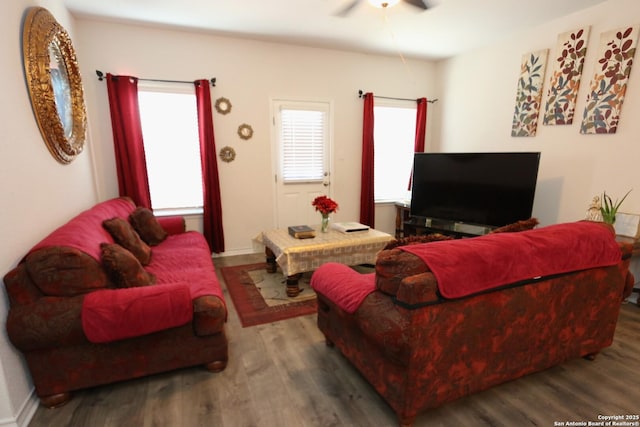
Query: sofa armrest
[(47, 323), (418, 290), (393, 265), (626, 249), (20, 289), (172, 224), (209, 315), (344, 286)]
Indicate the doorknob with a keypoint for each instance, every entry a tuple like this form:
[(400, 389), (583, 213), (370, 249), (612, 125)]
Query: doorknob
[(325, 181)]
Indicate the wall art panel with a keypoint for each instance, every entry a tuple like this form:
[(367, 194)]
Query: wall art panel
[(529, 93), (564, 81), (609, 82)]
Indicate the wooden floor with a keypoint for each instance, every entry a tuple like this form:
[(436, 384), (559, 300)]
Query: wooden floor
[(282, 374)]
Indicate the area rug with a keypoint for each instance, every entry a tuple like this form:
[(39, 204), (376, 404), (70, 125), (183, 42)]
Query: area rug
[(260, 297)]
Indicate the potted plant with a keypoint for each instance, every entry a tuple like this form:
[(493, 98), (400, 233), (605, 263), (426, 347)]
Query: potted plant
[(609, 209)]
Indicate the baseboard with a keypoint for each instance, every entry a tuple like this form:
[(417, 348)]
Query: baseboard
[(247, 251), (26, 412)]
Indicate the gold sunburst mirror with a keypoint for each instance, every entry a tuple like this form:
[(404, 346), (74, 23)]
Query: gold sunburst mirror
[(227, 154), (245, 131), (55, 87), (223, 105)]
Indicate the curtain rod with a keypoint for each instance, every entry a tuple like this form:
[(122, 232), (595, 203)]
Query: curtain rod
[(430, 101), (101, 77)]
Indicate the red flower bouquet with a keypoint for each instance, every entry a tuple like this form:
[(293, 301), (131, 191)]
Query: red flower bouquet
[(324, 205)]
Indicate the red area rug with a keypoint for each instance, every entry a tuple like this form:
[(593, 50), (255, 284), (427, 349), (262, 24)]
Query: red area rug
[(249, 302)]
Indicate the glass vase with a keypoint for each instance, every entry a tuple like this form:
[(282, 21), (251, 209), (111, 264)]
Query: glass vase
[(324, 225)]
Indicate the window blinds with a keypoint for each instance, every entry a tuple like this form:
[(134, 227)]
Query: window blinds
[(303, 135)]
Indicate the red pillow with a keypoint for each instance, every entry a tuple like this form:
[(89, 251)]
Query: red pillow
[(124, 269), (124, 235), (147, 226)]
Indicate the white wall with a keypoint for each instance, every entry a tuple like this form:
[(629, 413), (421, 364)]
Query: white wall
[(477, 96), (249, 73), (38, 193)]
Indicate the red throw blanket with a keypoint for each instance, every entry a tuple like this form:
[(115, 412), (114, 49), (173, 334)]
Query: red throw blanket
[(468, 266), (85, 232), (343, 285), (117, 314)]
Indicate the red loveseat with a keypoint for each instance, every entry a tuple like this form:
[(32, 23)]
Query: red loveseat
[(85, 311), (441, 320)]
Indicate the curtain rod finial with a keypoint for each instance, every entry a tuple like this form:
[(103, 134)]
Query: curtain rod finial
[(100, 75), (360, 93), (213, 81)]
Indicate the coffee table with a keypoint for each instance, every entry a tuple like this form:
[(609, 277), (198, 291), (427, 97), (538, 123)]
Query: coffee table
[(296, 256)]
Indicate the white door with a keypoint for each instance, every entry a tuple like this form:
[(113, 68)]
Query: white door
[(301, 159)]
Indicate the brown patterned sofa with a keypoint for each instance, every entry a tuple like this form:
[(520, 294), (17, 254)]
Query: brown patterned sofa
[(441, 320), (115, 294)]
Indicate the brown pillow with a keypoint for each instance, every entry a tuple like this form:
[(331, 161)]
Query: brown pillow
[(414, 240), (65, 272), (124, 235), (524, 225), (147, 226), (123, 267)]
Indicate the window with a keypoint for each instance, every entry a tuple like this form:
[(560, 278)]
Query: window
[(303, 134), (394, 139), (172, 146)]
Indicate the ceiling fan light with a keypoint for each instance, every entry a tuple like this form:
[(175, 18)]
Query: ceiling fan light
[(384, 3)]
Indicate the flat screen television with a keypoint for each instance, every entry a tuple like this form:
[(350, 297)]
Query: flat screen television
[(488, 189)]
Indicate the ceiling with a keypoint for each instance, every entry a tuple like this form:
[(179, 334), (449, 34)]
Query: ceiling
[(446, 29)]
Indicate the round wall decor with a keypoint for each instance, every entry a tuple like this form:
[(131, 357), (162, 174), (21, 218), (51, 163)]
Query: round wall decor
[(245, 131), (223, 106), (227, 154)]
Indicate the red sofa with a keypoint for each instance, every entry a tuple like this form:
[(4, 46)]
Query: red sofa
[(86, 309), (440, 320)]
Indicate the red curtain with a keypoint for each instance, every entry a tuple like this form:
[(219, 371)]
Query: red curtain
[(367, 205), (131, 165), (421, 128), (212, 217)]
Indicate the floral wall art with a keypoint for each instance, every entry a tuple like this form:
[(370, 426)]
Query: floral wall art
[(564, 80), (609, 82), (525, 116)]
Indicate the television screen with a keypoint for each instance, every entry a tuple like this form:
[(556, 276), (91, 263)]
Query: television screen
[(492, 189)]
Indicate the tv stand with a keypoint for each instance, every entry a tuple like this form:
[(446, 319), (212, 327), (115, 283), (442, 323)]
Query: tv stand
[(419, 226)]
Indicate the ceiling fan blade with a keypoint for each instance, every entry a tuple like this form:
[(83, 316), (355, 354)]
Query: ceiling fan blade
[(345, 10), (418, 3)]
